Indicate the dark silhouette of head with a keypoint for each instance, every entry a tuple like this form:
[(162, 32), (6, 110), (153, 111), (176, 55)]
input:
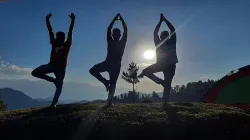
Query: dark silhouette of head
[(164, 35), (116, 34), (60, 37)]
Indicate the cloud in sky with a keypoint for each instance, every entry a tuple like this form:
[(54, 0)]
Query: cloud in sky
[(10, 69)]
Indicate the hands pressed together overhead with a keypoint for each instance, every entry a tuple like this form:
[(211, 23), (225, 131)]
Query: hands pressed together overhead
[(162, 18), (118, 17)]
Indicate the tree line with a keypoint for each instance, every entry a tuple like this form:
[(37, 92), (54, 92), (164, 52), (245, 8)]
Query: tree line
[(191, 92)]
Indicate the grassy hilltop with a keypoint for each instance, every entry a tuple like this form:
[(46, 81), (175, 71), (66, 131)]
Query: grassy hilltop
[(126, 121)]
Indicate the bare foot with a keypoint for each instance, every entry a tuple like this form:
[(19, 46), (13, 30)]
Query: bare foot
[(109, 104), (140, 75)]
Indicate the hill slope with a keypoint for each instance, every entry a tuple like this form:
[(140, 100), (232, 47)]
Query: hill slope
[(144, 121), (16, 99)]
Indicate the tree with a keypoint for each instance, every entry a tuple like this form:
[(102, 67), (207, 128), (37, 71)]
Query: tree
[(122, 96), (155, 97), (143, 97), (116, 99), (191, 92), (3, 106), (137, 98), (131, 75), (177, 88), (125, 97)]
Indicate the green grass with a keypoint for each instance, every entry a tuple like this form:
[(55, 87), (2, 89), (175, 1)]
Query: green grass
[(126, 121)]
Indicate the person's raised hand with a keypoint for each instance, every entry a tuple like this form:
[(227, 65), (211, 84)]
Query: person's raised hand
[(120, 17), (72, 16), (117, 16), (162, 17), (48, 16)]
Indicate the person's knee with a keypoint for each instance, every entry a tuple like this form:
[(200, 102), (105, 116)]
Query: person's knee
[(37, 72), (92, 70), (34, 73)]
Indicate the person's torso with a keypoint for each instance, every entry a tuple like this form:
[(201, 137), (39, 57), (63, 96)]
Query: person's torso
[(59, 53), (166, 52), (115, 50)]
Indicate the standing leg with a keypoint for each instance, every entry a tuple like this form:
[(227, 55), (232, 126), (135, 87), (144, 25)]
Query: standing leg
[(41, 71), (149, 72), (114, 72), (168, 77), (97, 69), (60, 74)]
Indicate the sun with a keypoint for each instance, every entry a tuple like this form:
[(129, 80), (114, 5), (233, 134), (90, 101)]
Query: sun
[(149, 54)]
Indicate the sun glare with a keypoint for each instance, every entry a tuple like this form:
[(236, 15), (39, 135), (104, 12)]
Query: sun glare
[(149, 54)]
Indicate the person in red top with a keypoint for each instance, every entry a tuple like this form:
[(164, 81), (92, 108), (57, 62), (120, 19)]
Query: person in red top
[(58, 58)]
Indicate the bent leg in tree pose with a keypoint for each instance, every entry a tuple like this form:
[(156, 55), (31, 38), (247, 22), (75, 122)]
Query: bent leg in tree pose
[(112, 64), (166, 58), (58, 58)]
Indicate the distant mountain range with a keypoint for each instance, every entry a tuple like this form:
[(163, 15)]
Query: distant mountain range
[(49, 99), (71, 90), (25, 93), (16, 100)]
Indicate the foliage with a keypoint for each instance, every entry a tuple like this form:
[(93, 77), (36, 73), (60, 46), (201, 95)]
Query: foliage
[(192, 92), (3, 107), (131, 76), (155, 97)]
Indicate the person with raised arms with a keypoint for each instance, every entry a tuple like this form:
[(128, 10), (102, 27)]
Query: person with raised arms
[(112, 64), (58, 58), (166, 58)]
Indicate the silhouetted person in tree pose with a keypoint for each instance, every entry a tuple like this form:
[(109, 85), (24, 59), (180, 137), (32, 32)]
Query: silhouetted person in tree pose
[(58, 58), (166, 58), (112, 64)]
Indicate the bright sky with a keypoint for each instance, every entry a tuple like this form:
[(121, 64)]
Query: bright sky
[(212, 36)]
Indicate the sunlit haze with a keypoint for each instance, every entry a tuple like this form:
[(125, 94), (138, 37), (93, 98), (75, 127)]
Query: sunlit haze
[(149, 54)]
